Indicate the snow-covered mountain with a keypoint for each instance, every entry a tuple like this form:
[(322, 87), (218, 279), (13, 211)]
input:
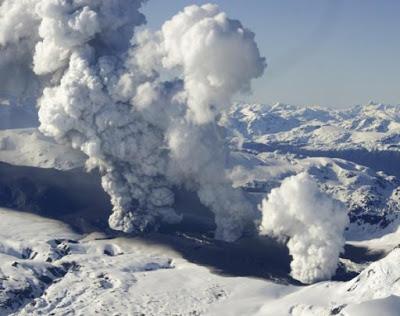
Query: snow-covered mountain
[(368, 135), (371, 127), (28, 147)]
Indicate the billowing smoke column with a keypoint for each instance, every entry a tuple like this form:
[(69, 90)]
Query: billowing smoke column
[(313, 223), (106, 94), (18, 36)]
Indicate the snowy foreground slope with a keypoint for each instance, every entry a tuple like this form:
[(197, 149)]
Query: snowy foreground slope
[(47, 269), (73, 264)]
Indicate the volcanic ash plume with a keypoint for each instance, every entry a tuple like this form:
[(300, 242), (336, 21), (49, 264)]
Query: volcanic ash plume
[(141, 106), (312, 222)]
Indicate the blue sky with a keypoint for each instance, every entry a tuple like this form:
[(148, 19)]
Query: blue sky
[(335, 53)]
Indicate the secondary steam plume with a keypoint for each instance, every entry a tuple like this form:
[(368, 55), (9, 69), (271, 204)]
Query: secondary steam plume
[(105, 95), (313, 223)]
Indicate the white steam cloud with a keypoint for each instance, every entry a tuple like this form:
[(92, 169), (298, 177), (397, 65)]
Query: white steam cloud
[(105, 93), (18, 35), (313, 223)]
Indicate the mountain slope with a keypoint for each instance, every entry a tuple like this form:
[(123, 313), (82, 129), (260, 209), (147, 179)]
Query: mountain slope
[(48, 269)]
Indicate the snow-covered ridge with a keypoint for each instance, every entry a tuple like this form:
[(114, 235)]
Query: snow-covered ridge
[(371, 127), (28, 147)]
